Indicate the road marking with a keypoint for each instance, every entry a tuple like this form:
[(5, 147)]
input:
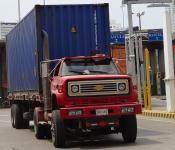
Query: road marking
[(4, 115), (3, 121)]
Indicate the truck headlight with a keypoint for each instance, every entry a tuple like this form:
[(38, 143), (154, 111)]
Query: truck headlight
[(75, 113), (122, 86), (75, 88)]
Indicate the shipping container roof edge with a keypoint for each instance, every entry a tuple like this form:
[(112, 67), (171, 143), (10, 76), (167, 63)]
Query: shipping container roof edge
[(21, 21), (42, 6)]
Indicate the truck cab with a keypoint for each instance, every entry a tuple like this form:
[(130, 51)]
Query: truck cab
[(89, 95)]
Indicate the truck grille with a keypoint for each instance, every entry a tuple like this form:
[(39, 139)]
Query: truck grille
[(97, 87), (104, 87)]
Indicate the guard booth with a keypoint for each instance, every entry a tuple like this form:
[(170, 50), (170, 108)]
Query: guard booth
[(153, 40), (3, 72)]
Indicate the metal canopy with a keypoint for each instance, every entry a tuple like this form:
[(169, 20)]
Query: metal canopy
[(145, 1)]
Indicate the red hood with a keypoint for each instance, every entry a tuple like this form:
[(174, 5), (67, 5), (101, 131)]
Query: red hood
[(63, 79), (89, 77)]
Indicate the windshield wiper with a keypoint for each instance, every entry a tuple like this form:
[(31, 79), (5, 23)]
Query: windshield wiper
[(84, 72), (98, 71), (74, 71)]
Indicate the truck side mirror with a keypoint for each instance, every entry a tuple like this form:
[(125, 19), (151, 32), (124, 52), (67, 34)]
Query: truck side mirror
[(44, 70)]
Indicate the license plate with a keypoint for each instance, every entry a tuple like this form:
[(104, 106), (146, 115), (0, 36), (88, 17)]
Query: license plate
[(101, 112)]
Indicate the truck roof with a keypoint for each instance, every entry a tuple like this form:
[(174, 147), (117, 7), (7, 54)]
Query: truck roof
[(86, 57)]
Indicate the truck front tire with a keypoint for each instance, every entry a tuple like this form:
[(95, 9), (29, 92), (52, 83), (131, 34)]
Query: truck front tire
[(57, 130), (128, 127)]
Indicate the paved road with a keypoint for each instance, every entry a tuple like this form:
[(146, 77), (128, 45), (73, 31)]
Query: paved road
[(152, 134)]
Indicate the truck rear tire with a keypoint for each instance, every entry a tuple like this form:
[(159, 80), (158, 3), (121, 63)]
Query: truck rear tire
[(17, 120), (57, 130), (128, 126), (38, 128), (17, 116)]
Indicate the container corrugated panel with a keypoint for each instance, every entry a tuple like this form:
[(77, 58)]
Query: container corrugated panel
[(73, 30), (91, 23), (21, 55)]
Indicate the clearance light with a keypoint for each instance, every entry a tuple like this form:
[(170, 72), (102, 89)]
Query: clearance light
[(60, 88), (127, 109), (75, 113)]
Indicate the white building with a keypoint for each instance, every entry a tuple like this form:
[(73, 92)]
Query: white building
[(5, 28), (115, 26)]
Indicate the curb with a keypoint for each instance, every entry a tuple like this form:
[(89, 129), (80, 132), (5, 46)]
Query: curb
[(159, 114)]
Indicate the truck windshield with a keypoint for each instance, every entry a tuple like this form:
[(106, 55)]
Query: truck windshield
[(92, 66)]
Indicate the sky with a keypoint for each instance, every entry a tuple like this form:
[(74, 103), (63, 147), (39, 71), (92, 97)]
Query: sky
[(152, 19)]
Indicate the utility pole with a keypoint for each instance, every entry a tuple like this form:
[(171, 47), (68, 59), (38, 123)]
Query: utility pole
[(44, 2), (19, 11), (123, 15), (131, 54), (139, 15)]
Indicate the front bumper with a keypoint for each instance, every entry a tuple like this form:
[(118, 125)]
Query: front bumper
[(90, 111)]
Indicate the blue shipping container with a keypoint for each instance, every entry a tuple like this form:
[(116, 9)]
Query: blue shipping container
[(72, 30)]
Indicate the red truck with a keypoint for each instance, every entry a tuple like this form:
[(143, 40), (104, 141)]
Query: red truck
[(88, 96), (60, 76)]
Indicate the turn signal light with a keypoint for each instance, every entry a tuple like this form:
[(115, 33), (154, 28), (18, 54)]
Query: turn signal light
[(60, 88)]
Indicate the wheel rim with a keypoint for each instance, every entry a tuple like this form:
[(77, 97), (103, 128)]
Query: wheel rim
[(35, 126), (14, 120), (35, 129)]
